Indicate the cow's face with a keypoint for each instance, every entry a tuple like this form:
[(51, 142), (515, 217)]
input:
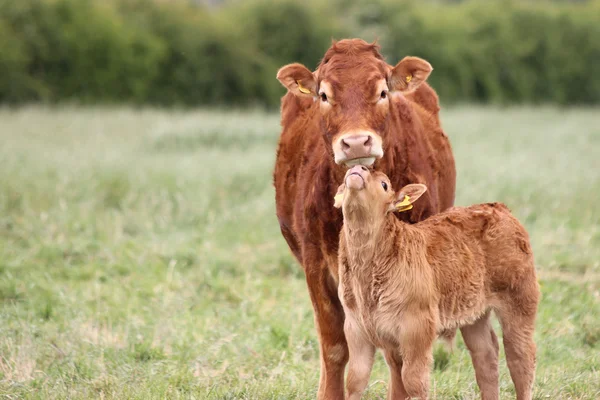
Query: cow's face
[(353, 86)]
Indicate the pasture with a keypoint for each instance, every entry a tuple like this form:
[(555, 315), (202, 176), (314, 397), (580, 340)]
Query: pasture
[(140, 255)]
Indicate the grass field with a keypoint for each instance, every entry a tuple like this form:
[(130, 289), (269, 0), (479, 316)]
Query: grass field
[(140, 256)]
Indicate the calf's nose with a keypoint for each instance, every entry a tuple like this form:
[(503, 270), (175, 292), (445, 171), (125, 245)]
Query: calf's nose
[(357, 146), (357, 169)]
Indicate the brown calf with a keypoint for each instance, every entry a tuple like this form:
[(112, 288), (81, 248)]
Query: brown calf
[(402, 285), (354, 109)]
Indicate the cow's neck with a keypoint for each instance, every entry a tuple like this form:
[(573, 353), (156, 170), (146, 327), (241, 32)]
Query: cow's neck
[(395, 160)]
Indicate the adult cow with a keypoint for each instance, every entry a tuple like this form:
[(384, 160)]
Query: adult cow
[(354, 109)]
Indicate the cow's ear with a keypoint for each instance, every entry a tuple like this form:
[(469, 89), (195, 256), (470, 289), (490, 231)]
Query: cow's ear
[(298, 79), (407, 196), (338, 200), (409, 73)]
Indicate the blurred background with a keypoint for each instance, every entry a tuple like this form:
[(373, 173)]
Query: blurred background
[(140, 254), (193, 52)]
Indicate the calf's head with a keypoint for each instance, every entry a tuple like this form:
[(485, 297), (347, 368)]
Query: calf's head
[(353, 85), (367, 195)]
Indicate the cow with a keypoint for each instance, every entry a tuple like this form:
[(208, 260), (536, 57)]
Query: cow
[(354, 109)]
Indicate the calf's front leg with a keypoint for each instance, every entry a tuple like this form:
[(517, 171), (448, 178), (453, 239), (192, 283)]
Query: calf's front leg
[(361, 361)]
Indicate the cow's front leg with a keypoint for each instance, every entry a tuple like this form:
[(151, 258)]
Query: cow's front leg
[(329, 320)]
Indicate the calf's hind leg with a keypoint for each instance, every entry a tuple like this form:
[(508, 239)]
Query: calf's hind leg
[(483, 346), (417, 335), (517, 336), (396, 388)]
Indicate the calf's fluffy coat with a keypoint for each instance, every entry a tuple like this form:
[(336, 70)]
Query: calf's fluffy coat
[(403, 285)]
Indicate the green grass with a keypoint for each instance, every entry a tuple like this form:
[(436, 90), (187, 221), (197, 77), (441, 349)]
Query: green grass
[(140, 256)]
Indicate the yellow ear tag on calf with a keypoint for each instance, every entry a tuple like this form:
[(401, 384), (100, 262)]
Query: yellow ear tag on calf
[(404, 205), (302, 88), (408, 78)]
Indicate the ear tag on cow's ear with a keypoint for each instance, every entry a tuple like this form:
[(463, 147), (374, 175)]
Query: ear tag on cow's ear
[(404, 205), (408, 78), (302, 88)]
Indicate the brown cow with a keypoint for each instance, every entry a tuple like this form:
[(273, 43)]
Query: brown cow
[(354, 109), (402, 285)]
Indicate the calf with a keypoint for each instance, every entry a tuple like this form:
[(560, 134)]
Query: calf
[(402, 285)]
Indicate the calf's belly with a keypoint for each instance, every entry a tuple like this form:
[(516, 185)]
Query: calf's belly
[(457, 311)]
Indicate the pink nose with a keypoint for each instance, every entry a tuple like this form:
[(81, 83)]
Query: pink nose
[(357, 169), (358, 146)]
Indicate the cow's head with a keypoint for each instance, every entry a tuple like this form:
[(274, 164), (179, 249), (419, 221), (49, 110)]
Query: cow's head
[(353, 85)]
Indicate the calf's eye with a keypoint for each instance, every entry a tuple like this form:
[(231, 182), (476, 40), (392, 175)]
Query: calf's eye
[(383, 94), (323, 97), (384, 186)]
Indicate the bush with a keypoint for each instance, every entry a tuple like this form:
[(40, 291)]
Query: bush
[(77, 49), (283, 32), (205, 62), (500, 52), (143, 51), (15, 83)]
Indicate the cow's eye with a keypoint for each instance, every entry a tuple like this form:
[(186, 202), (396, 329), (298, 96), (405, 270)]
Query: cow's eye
[(383, 94), (323, 97), (384, 186)]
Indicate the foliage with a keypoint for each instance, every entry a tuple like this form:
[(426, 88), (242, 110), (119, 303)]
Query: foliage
[(177, 53)]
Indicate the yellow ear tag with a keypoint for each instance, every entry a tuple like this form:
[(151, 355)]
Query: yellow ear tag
[(408, 78), (302, 88), (404, 205)]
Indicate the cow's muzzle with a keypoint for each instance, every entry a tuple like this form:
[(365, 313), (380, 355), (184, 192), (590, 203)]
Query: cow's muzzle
[(357, 147)]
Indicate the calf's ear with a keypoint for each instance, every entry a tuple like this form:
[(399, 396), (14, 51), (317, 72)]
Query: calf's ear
[(409, 73), (407, 196), (298, 79), (338, 200)]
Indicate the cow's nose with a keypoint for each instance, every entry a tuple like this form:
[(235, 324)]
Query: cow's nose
[(357, 146)]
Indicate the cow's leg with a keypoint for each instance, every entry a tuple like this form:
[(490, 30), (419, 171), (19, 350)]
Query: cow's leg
[(483, 346), (361, 361), (329, 320), (396, 388), (517, 336)]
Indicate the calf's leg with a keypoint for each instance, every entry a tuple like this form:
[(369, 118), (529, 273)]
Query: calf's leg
[(483, 346), (417, 335), (396, 388), (329, 320), (361, 362), (517, 336)]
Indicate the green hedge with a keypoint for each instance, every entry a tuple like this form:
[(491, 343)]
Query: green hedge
[(167, 53)]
